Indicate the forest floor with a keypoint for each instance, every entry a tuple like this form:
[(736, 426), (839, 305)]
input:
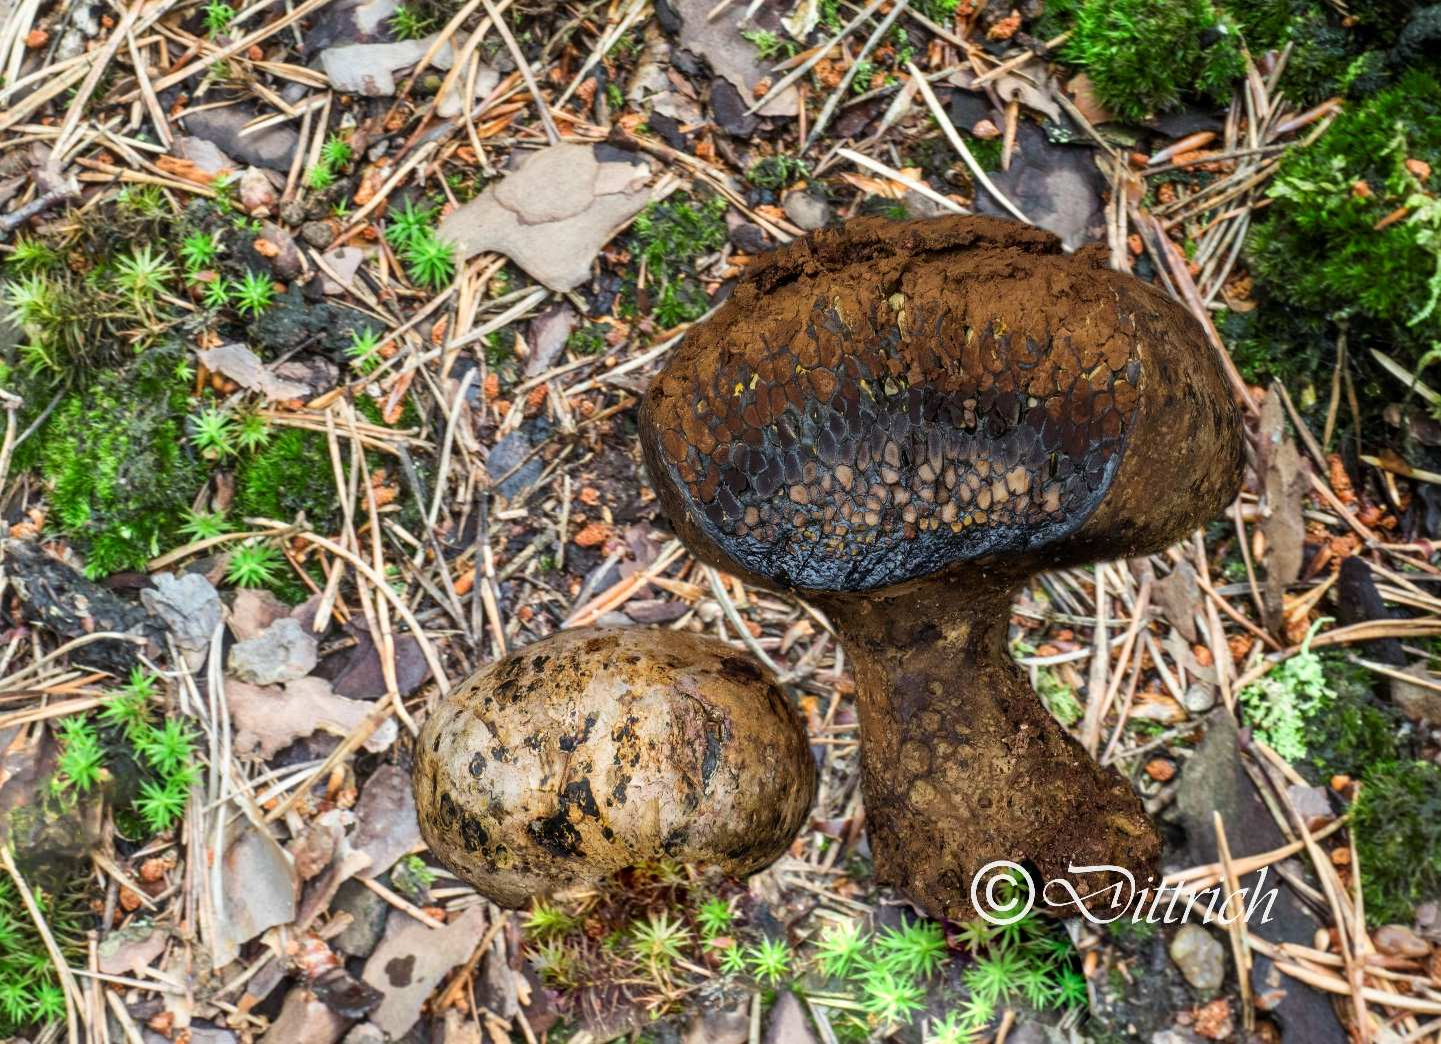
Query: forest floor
[(325, 325)]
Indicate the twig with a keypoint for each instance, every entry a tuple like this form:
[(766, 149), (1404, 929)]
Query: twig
[(948, 128), (899, 178), (62, 969), (552, 135), (817, 53)]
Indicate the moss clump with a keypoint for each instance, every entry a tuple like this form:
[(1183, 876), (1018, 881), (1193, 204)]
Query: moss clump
[(292, 474), (1356, 730), (1397, 828), (776, 172), (1272, 343), (1420, 39), (1320, 250), (1319, 712), (1145, 56), (1330, 59), (588, 339), (30, 992), (120, 474), (669, 237)]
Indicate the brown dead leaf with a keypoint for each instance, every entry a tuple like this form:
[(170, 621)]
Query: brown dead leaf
[(1162, 770), (385, 491), (1177, 596), (1083, 96), (1340, 479), (268, 718), (554, 212), (1283, 487), (240, 364), (371, 178), (1214, 1021)]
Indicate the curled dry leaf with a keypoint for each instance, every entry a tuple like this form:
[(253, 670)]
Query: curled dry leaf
[(246, 369), (268, 718), (554, 212)]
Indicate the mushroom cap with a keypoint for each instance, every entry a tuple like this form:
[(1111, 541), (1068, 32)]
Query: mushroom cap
[(879, 402), (598, 749)]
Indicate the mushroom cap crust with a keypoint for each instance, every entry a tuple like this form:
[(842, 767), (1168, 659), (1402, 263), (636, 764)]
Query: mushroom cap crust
[(879, 402), (598, 749)]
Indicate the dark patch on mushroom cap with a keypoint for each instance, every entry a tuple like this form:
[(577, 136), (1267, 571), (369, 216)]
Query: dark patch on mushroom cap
[(556, 835)]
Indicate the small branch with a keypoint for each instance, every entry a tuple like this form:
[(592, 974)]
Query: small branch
[(17, 217)]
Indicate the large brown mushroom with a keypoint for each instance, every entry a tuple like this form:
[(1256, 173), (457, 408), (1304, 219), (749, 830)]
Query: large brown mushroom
[(905, 421), (598, 749)]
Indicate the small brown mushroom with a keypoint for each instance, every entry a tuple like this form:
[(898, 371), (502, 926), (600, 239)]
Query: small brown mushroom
[(906, 421), (598, 749)]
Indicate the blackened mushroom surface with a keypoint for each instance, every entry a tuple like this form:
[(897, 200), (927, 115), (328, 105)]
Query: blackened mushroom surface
[(904, 421), (598, 749), (882, 400)]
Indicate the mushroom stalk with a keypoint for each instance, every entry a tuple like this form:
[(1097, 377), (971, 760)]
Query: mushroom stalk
[(902, 422), (962, 764)]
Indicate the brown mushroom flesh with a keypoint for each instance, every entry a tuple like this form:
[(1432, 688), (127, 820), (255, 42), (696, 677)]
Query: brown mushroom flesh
[(599, 749), (904, 421)]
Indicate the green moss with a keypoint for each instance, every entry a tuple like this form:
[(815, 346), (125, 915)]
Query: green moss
[(120, 473), (409, 415), (289, 476), (1318, 710), (879, 206), (1419, 40), (668, 237), (588, 339), (30, 993), (1384, 18), (671, 234), (1266, 23), (1269, 342), (1146, 56), (1279, 705), (776, 172), (941, 11), (1356, 730), (1319, 249), (987, 151), (1397, 828), (1128, 929), (1334, 53)]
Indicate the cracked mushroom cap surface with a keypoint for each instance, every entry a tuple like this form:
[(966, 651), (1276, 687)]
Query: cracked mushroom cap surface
[(878, 402), (598, 749)]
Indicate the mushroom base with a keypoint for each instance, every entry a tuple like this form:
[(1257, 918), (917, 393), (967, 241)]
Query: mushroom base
[(963, 765)]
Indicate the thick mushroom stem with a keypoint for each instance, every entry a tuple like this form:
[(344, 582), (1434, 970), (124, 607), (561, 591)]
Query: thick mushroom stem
[(962, 764)]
